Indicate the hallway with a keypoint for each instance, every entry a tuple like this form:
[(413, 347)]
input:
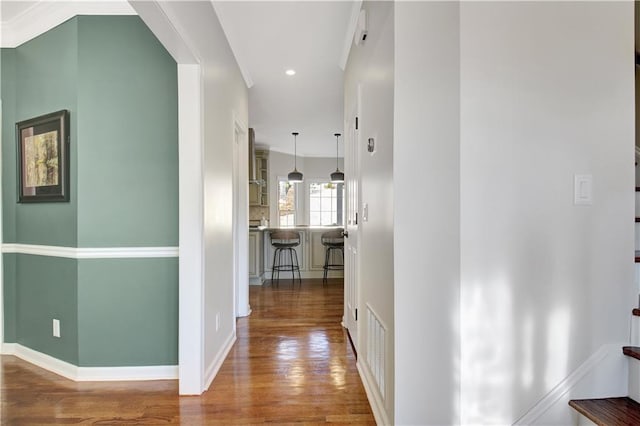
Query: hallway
[(292, 362)]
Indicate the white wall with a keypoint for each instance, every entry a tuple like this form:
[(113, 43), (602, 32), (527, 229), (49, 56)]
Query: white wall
[(426, 185), (546, 93), (190, 30), (500, 104), (281, 164), (371, 65), (224, 93)]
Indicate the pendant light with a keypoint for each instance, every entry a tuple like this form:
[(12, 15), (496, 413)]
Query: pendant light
[(295, 176), (337, 176)]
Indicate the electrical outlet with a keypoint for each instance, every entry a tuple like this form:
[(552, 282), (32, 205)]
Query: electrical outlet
[(217, 321), (56, 328)]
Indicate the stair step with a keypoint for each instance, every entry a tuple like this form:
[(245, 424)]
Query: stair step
[(608, 411), (632, 351)]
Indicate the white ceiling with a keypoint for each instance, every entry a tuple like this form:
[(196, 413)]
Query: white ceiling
[(270, 37), (11, 9), (267, 38)]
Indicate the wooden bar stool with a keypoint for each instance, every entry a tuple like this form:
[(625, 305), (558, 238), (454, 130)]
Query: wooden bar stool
[(333, 241), (285, 242)]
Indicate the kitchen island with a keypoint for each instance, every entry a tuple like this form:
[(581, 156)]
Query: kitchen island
[(310, 253)]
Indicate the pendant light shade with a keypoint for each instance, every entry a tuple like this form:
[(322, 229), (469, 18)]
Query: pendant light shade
[(295, 176), (337, 176)]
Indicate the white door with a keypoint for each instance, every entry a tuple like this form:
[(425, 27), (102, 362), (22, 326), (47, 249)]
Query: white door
[(352, 219)]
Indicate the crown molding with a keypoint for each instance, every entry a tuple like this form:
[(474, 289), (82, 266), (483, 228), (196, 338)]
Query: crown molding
[(351, 30), (45, 15), (242, 65)]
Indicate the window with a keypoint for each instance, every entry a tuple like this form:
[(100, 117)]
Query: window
[(286, 203), (325, 203)]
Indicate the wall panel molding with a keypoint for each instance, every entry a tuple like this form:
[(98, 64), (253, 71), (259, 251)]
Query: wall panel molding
[(90, 252)]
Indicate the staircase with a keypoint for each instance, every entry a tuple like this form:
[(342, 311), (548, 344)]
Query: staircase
[(625, 410)]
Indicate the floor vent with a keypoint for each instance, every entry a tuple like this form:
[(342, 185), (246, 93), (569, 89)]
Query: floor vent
[(376, 349)]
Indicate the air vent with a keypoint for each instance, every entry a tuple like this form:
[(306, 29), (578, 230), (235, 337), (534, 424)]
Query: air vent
[(376, 338)]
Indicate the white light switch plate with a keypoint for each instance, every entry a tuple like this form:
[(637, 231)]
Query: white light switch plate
[(583, 190)]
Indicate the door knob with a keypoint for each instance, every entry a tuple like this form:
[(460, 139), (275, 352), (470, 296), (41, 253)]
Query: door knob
[(345, 234)]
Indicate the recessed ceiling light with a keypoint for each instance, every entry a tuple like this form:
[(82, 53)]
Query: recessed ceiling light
[(290, 72)]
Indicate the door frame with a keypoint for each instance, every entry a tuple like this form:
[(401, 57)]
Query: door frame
[(352, 172), (240, 218)]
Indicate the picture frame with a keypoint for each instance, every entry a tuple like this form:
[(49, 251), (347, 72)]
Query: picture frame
[(43, 158)]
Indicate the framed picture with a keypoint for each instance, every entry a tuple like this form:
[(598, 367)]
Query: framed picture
[(43, 158)]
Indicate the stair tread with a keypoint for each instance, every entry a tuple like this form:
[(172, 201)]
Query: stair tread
[(609, 411), (632, 351)]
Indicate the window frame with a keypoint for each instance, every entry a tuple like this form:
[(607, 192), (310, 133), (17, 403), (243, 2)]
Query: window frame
[(339, 201), (296, 201)]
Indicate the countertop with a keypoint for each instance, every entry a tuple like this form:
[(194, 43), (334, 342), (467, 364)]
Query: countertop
[(296, 228)]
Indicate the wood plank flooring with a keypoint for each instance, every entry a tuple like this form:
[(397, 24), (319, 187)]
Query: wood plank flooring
[(292, 363), (609, 411)]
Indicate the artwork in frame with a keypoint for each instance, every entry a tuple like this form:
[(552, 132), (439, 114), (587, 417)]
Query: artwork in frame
[(43, 158)]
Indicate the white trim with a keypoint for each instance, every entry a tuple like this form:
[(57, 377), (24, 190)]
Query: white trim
[(215, 365), (45, 15), (91, 253), (561, 389), (191, 229), (7, 348), (109, 374), (86, 374), (348, 37), (161, 18), (244, 70), (73, 372), (377, 405)]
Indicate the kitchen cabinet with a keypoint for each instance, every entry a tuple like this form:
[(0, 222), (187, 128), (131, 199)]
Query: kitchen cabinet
[(256, 257), (259, 192), (316, 252)]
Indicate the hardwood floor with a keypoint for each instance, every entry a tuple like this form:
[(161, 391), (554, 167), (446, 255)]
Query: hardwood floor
[(292, 363)]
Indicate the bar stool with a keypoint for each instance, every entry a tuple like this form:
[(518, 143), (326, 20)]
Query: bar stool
[(285, 242), (333, 241)]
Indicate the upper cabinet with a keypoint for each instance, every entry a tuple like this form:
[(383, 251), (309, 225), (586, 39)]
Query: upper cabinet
[(259, 189)]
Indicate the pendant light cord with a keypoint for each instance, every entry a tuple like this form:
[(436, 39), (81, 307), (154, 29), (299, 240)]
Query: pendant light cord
[(337, 135)]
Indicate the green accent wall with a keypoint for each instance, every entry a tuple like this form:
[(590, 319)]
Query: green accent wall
[(128, 312), (9, 295), (128, 132), (120, 86), (44, 81), (8, 96), (46, 289)]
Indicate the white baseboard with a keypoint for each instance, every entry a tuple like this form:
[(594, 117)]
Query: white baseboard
[(377, 405), (7, 349), (86, 374), (214, 367), (604, 374)]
